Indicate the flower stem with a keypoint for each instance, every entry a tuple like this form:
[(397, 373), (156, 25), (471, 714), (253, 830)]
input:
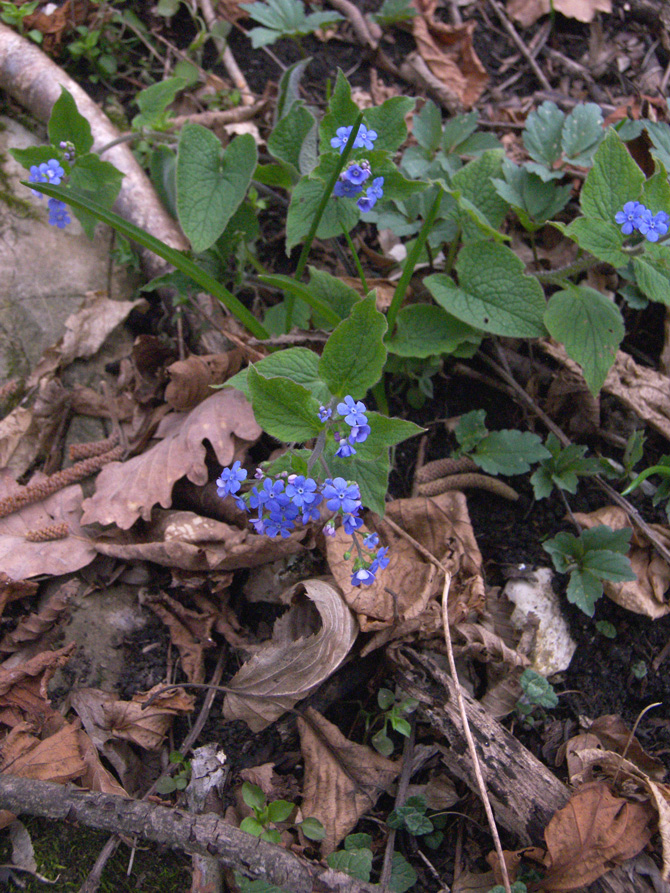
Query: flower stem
[(357, 260)]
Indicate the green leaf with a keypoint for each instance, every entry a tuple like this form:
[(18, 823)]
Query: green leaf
[(656, 190), (66, 124), (382, 743), (342, 111), (305, 294), (590, 327), (275, 319), (257, 886), (289, 88), (403, 876), (280, 810), (613, 180), (165, 785), (584, 590), (153, 102), (299, 364), (357, 841), (384, 433), (340, 213), (354, 355), (163, 172), (602, 238), (284, 409), (427, 127), (385, 698), (474, 183), (538, 690), (251, 826), (494, 294), (607, 565), (458, 129), (271, 836), (393, 11), (423, 330), (542, 134), (94, 179), (371, 475), (607, 629), (312, 828), (355, 862), (211, 183), (471, 429), (388, 120), (509, 452), (533, 200), (332, 291), (563, 469), (582, 132), (293, 139), (253, 796), (659, 133), (37, 155), (652, 274)]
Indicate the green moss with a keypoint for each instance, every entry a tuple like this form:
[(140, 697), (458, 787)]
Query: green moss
[(68, 853), (22, 206)]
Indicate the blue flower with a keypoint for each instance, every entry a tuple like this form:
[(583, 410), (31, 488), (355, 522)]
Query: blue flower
[(629, 218), (58, 215), (312, 512), (353, 411), (345, 450), (356, 173), (359, 433), (653, 225), (230, 480), (324, 413), (339, 141), (373, 194), (381, 561), (365, 138), (351, 522), (341, 495), (345, 189), (301, 491), (371, 540), (363, 577), (329, 529)]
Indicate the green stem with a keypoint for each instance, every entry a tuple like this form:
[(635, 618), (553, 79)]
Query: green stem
[(451, 254), (357, 260), (327, 193), (413, 259), (558, 277), (663, 470), (379, 393)]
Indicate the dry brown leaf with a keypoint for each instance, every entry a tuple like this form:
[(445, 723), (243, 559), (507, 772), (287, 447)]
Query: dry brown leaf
[(104, 716), (21, 559), (191, 379), (646, 594), (294, 662), (593, 833), (31, 628), (486, 646), (343, 780), (449, 53), (10, 590), (660, 795), (19, 441), (85, 333), (190, 542), (442, 526), (126, 491), (527, 12), (614, 734), (56, 758), (96, 777), (23, 689), (190, 631)]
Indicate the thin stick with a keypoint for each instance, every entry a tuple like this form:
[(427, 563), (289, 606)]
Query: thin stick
[(520, 45), (401, 793), (468, 736), (226, 54)]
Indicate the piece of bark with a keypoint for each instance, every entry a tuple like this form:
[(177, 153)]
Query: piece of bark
[(203, 834), (34, 81), (524, 794)]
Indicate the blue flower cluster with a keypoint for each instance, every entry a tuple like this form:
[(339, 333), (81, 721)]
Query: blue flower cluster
[(353, 412), (635, 216), (51, 172), (352, 180)]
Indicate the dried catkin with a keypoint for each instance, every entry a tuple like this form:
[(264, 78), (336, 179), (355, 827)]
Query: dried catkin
[(48, 533), (463, 481), (37, 492), (93, 448), (442, 467)]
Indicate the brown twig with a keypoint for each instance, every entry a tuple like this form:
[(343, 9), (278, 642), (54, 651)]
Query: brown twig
[(520, 45), (368, 32), (468, 736), (229, 62), (219, 116)]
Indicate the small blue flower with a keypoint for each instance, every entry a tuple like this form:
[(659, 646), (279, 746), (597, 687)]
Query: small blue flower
[(230, 480), (371, 540), (312, 512), (365, 138), (329, 529), (301, 491), (359, 433), (353, 411), (363, 577), (345, 189), (339, 141), (356, 173), (341, 495), (324, 413), (345, 450), (58, 215), (381, 561), (351, 522), (652, 226), (629, 218), (373, 194)]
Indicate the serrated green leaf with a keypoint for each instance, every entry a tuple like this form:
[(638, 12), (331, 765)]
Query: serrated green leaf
[(509, 452), (340, 213), (92, 178), (607, 565), (494, 294), (613, 180), (67, 124), (473, 182), (652, 275), (602, 238), (584, 590), (153, 102), (659, 133), (211, 182), (423, 330), (471, 428), (427, 127), (284, 409), (542, 134), (458, 129), (403, 876), (36, 155), (590, 327), (388, 120), (603, 537), (299, 364), (355, 862), (357, 841), (287, 140), (354, 355), (533, 199), (582, 132)]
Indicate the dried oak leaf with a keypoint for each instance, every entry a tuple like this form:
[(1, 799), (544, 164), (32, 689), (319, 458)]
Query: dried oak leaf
[(191, 379), (614, 735), (56, 758), (342, 781), (442, 526), (190, 542), (527, 12), (105, 716), (96, 777), (126, 491), (190, 631), (23, 687), (21, 559), (10, 590), (29, 629), (592, 834), (646, 594), (296, 660)]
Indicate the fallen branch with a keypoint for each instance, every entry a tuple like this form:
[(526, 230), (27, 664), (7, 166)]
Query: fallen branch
[(206, 835)]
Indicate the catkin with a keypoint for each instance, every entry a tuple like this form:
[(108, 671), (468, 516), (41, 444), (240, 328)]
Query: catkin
[(463, 481), (93, 448), (48, 533), (442, 467)]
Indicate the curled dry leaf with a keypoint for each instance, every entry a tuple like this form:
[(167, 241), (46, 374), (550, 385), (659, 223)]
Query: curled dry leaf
[(442, 526), (23, 689), (591, 834), (293, 663), (646, 594), (10, 590), (96, 777), (85, 333), (191, 380), (527, 12), (30, 629), (190, 542), (613, 734), (190, 631), (21, 559), (449, 53), (19, 440), (126, 491), (56, 758), (343, 780), (105, 716)]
